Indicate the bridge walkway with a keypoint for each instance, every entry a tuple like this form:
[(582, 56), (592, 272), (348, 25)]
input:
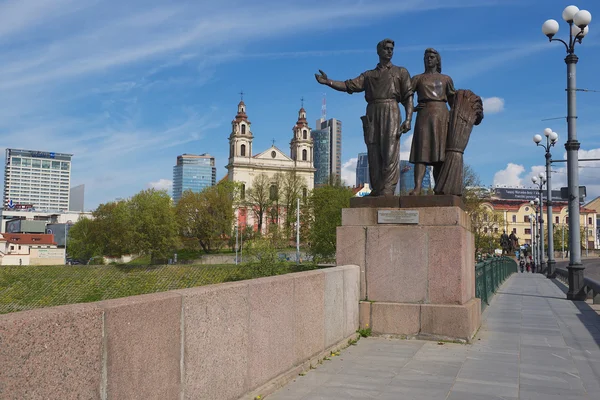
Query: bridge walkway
[(533, 344)]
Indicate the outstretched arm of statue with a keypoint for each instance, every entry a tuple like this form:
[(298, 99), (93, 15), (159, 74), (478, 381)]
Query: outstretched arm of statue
[(409, 109), (324, 80)]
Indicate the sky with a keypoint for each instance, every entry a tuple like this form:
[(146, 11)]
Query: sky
[(127, 86)]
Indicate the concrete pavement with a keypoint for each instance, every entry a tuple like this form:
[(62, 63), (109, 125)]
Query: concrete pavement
[(533, 344)]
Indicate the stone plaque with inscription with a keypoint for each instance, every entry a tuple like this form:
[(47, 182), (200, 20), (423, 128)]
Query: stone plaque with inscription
[(397, 216)]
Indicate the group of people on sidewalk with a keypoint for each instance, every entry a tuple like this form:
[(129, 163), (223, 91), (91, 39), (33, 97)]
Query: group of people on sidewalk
[(526, 261)]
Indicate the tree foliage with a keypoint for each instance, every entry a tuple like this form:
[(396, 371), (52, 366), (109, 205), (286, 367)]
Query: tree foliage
[(258, 197), (153, 225), (112, 223), (207, 216), (144, 224), (324, 216), (82, 243)]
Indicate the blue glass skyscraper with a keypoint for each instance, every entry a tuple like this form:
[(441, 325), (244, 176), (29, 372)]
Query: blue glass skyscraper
[(407, 178), (328, 153), (362, 170), (193, 172), (322, 155)]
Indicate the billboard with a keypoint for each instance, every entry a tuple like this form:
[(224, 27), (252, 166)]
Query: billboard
[(13, 226), (59, 231), (522, 194)]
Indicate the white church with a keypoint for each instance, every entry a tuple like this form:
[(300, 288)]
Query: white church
[(243, 166)]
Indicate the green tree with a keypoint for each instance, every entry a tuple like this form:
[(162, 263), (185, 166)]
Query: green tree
[(259, 198), (113, 233), (324, 216), (208, 216), (484, 223), (82, 241), (153, 224), (291, 188)]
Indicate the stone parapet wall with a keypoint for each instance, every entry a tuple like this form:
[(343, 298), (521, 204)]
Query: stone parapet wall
[(213, 342)]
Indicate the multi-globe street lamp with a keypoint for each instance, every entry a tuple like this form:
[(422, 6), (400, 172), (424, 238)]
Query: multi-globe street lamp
[(551, 139), (540, 185), (578, 21)]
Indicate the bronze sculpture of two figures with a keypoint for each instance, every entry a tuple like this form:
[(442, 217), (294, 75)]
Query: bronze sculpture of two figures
[(440, 135)]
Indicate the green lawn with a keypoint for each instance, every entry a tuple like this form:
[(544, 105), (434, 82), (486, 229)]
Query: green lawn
[(28, 287)]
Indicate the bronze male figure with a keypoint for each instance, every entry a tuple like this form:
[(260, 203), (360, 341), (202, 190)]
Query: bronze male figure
[(384, 87)]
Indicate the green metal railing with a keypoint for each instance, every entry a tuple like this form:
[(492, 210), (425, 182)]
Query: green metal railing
[(489, 275)]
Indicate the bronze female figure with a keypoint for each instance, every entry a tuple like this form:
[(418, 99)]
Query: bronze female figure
[(434, 90)]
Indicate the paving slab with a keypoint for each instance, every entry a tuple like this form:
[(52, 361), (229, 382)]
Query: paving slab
[(533, 344)]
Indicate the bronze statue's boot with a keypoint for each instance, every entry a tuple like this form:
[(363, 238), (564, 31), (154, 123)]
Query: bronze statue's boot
[(415, 192)]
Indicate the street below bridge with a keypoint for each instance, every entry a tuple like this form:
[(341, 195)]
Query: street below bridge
[(592, 267)]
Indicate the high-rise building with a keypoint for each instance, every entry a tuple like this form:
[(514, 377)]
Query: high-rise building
[(362, 170), (322, 155), (193, 172), (76, 198), (37, 179), (334, 127), (407, 178)]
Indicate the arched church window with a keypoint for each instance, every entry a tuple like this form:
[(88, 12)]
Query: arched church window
[(243, 129), (243, 191), (273, 192), (243, 150), (304, 155), (304, 193), (304, 135)]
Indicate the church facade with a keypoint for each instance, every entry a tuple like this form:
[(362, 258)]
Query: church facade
[(244, 165)]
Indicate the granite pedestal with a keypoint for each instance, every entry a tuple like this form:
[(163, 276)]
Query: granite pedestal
[(417, 277)]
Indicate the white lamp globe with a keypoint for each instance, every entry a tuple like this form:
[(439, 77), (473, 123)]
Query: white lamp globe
[(550, 28), (575, 30), (537, 200), (541, 175), (547, 132), (553, 136), (534, 179), (569, 12), (537, 138), (582, 18)]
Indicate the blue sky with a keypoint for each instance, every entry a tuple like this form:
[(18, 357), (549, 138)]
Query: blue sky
[(126, 86)]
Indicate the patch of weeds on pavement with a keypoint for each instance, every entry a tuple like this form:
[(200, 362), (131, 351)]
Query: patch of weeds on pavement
[(365, 332)]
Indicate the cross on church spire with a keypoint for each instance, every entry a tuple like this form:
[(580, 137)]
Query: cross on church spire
[(241, 95), (273, 140), (302, 101)]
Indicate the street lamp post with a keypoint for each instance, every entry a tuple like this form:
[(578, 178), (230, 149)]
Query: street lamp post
[(540, 185), (536, 227), (551, 139), (532, 232), (578, 21)]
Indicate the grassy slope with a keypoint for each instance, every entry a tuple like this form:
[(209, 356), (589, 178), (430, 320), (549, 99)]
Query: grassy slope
[(28, 287)]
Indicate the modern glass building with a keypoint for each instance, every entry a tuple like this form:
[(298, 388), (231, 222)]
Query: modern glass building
[(362, 170), (37, 179), (321, 155), (334, 128), (193, 172), (407, 178)]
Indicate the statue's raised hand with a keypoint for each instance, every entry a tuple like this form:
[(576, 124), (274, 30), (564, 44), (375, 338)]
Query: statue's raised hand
[(322, 78)]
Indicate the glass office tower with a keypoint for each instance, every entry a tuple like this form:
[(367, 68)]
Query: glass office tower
[(193, 172)]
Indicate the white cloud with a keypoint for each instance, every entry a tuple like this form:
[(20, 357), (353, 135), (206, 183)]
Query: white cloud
[(510, 176), (349, 172), (493, 105), (161, 184)]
